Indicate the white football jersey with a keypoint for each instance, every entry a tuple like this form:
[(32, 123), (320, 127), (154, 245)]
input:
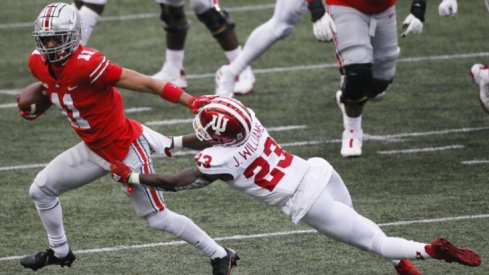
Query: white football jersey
[(260, 167)]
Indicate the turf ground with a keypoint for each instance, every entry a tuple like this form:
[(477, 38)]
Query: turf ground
[(423, 173)]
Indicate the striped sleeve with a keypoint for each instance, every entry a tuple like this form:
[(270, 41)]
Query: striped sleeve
[(104, 72)]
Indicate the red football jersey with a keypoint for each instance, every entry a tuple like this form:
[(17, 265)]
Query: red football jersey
[(84, 91), (365, 6)]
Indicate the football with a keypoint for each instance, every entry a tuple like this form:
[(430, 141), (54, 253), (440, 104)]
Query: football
[(33, 99)]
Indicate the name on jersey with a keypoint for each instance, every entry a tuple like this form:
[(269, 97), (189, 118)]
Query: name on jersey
[(251, 145)]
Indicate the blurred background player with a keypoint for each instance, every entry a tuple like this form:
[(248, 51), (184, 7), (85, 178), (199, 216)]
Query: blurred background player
[(366, 50), (248, 159), (176, 26), (82, 83), (480, 75), (90, 12), (286, 15), (479, 72)]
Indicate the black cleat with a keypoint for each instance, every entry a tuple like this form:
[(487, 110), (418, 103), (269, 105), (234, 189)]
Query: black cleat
[(223, 266), (45, 258)]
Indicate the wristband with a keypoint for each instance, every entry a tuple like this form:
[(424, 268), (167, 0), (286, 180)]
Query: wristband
[(418, 9), (316, 8), (178, 142), (171, 92), (133, 178)]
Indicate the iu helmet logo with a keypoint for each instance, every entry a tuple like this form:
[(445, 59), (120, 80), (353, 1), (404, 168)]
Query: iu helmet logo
[(218, 123), (223, 121)]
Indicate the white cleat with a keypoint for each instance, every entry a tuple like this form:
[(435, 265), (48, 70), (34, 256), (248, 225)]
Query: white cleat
[(225, 81), (351, 143), (178, 78), (244, 82), (480, 75)]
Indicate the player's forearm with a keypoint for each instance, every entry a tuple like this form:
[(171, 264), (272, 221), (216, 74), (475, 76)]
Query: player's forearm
[(168, 182)]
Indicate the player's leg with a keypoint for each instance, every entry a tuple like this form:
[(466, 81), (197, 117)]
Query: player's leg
[(90, 12), (149, 204), (355, 57), (221, 26), (285, 16), (71, 169), (341, 222), (480, 76), (386, 52), (176, 25)]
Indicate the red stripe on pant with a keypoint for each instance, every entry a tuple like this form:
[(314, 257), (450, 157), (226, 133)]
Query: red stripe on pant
[(154, 195)]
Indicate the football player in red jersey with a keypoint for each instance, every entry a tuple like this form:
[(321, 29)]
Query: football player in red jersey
[(366, 50), (81, 82), (248, 159)]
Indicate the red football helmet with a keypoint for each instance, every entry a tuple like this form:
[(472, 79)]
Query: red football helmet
[(223, 121)]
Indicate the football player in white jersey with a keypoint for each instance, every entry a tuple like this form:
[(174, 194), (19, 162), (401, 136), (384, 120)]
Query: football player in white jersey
[(245, 156)]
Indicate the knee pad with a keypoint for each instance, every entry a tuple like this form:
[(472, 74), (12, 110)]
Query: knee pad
[(378, 87), (174, 18), (42, 200), (217, 22), (357, 83)]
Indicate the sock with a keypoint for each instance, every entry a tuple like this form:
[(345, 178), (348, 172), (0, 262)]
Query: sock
[(187, 230), (89, 19), (352, 122), (232, 55), (173, 60), (52, 220)]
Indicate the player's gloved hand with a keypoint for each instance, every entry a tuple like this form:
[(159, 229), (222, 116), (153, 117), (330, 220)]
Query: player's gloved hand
[(33, 114), (324, 28), (448, 8), (120, 172), (411, 25), (195, 102)]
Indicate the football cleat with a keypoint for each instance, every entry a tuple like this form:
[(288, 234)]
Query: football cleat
[(405, 267), (244, 82), (177, 78), (351, 143), (223, 266), (480, 75), (225, 81), (45, 258), (442, 249)]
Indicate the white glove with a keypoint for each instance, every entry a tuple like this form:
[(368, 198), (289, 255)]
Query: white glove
[(412, 25), (324, 28), (487, 4), (448, 8)]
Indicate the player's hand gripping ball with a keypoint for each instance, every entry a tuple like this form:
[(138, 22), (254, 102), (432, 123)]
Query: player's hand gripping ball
[(33, 101)]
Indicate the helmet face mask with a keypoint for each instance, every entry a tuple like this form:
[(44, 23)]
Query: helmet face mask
[(223, 121), (59, 22)]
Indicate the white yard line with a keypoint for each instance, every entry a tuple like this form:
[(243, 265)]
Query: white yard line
[(420, 150), (314, 67), (257, 236)]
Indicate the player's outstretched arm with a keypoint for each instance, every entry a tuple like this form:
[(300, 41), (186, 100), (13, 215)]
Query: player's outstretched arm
[(190, 141), (138, 82), (190, 178)]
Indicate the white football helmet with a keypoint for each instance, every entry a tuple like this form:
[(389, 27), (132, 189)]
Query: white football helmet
[(62, 22), (224, 121)]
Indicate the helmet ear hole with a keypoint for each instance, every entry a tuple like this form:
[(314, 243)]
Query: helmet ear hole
[(224, 121)]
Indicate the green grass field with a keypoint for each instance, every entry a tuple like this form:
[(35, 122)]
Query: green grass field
[(423, 173)]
